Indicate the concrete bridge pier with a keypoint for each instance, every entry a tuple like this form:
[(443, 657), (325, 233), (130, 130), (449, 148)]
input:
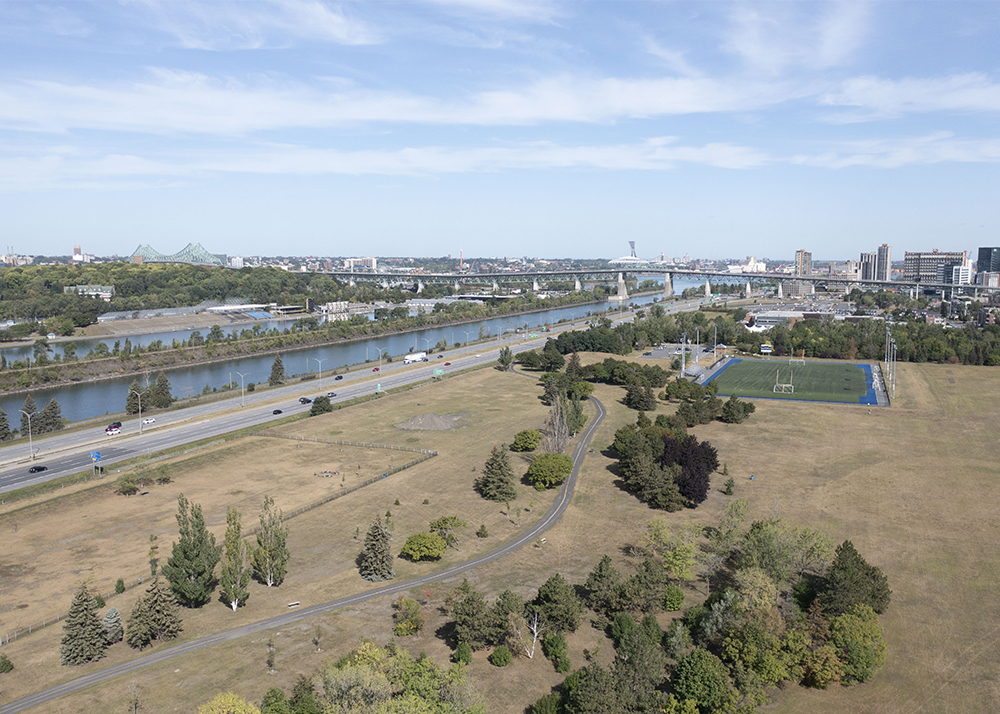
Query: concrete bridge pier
[(352, 283), (708, 288), (747, 290), (420, 287), (534, 286), (496, 288), (622, 289), (780, 293), (577, 287), (458, 288), (668, 285)]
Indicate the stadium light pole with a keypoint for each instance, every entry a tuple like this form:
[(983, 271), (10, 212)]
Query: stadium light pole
[(243, 391), (31, 448)]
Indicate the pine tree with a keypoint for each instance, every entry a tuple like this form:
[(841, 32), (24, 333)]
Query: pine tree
[(851, 580), (28, 408), (236, 568), (497, 482), (138, 628), (191, 567), (154, 617), (83, 636), (376, 559), (49, 419), (4, 426), (112, 626), (270, 557), (132, 399), (277, 372), (159, 394)]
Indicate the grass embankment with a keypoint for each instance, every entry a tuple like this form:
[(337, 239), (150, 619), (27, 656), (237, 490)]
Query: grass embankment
[(913, 486)]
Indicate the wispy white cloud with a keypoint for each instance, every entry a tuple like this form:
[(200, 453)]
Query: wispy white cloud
[(879, 98), (59, 166), (248, 24), (775, 37), (536, 10), (673, 59), (935, 148), (186, 102)]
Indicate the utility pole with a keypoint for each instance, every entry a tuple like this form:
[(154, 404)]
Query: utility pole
[(242, 389), (684, 339), (380, 351), (31, 448), (139, 395), (319, 363)]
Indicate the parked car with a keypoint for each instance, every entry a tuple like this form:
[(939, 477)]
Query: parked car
[(149, 420), (331, 394), (305, 400), (37, 469), (276, 411), (338, 377)]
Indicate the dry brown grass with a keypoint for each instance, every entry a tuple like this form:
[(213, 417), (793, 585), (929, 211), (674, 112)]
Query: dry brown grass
[(913, 486)]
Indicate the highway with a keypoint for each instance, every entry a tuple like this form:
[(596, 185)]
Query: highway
[(169, 652)]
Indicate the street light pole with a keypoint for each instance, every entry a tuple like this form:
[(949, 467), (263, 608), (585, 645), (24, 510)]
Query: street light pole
[(242, 389), (319, 363), (31, 448), (380, 351), (139, 395), (467, 333)]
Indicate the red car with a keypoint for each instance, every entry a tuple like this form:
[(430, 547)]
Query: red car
[(375, 369), (447, 364)]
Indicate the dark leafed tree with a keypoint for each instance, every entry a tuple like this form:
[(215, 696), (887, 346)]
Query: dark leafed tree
[(136, 396), (474, 623), (50, 418), (497, 482), (191, 566), (573, 367), (558, 604), (83, 635), (505, 360), (154, 616), (28, 407), (376, 558), (851, 580), (277, 372), (112, 626), (270, 557), (160, 395), (602, 586), (4, 426), (320, 405), (640, 668), (236, 568)]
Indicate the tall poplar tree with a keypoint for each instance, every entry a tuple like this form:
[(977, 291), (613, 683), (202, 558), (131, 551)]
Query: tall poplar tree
[(376, 559), (270, 557), (83, 634), (191, 566), (236, 568)]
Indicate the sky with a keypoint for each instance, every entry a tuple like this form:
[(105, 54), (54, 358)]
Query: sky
[(500, 127)]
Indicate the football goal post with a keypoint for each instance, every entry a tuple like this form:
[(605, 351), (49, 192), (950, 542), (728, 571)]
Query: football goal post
[(796, 360), (783, 387)]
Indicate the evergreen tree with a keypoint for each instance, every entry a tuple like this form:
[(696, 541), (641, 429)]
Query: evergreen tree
[(270, 557), (303, 699), (558, 604), (376, 559), (138, 628), (497, 482), (277, 372), (275, 701), (155, 615), (505, 360), (28, 408), (191, 567), (160, 395), (236, 568), (4, 426), (113, 626), (83, 636), (49, 419), (602, 587), (474, 623), (132, 399), (851, 581)]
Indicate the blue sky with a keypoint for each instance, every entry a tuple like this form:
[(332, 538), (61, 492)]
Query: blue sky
[(501, 127)]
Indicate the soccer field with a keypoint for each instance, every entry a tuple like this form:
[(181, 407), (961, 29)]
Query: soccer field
[(813, 381)]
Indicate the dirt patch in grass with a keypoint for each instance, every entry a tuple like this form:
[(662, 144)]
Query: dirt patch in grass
[(432, 422)]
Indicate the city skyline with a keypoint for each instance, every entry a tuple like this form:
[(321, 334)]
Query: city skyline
[(499, 127)]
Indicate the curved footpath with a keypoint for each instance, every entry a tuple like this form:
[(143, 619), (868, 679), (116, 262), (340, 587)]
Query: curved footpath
[(554, 513)]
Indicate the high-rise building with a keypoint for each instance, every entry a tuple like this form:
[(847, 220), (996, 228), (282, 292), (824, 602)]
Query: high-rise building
[(803, 262), (989, 260), (869, 261), (923, 266), (883, 264)]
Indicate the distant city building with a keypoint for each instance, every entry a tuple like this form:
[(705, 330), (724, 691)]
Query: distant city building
[(798, 288), (883, 263), (236, 261), (954, 274), (370, 263), (868, 263), (803, 262), (630, 259), (923, 266), (104, 292), (989, 260), (988, 279)]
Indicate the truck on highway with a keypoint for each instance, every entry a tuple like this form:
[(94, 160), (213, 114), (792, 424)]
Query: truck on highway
[(415, 357)]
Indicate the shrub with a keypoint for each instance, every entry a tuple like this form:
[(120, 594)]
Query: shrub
[(554, 647), (622, 625), (501, 656), (424, 546), (126, 485), (527, 440), (549, 470), (120, 586), (463, 654), (730, 484), (482, 532), (251, 386), (551, 703), (5, 664), (673, 598), (426, 501), (98, 602)]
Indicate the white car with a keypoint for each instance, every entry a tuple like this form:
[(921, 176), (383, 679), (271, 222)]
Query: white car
[(149, 420), (478, 356), (113, 432)]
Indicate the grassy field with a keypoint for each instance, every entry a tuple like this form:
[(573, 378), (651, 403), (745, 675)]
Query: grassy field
[(914, 487), (815, 381)]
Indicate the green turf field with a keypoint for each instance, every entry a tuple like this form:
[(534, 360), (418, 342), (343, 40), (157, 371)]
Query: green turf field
[(816, 381)]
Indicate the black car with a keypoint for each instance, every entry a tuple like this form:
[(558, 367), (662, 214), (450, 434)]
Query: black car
[(115, 425), (338, 377), (305, 400), (276, 411), (37, 469)]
